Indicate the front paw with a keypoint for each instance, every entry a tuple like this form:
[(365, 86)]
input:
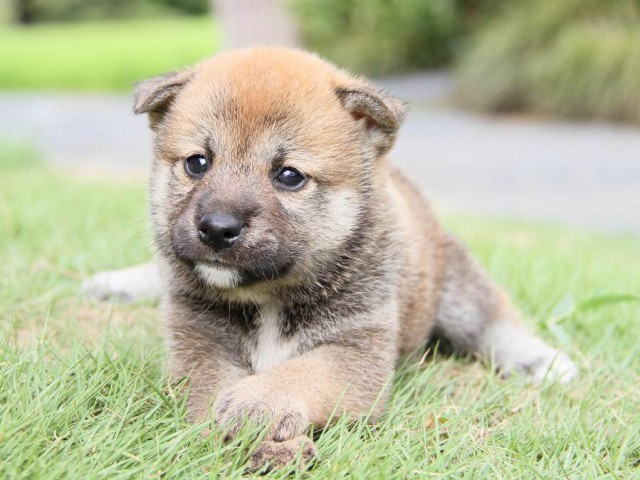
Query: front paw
[(270, 455), (255, 401)]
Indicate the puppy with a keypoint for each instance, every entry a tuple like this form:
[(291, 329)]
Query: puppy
[(299, 264)]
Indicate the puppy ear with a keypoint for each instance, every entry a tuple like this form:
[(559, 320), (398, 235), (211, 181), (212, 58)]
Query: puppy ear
[(154, 95), (382, 113)]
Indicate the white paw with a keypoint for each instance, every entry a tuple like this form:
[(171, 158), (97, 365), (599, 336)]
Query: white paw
[(555, 366), (105, 286), (514, 349), (128, 285)]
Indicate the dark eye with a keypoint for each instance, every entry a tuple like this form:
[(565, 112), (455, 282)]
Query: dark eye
[(291, 178), (196, 165)]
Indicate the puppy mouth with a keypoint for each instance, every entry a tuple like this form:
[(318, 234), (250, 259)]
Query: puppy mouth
[(216, 263), (191, 255), (225, 276), (234, 268), (218, 275)]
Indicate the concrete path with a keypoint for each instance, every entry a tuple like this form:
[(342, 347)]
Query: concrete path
[(584, 175)]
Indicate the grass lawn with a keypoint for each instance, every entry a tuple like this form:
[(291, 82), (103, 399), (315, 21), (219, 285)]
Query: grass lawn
[(83, 395), (102, 55)]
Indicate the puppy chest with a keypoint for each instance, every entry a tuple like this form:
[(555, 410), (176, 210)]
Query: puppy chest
[(270, 348)]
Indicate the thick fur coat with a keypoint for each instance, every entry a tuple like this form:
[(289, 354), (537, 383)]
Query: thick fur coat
[(323, 287)]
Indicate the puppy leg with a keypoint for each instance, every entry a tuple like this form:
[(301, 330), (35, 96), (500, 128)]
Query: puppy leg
[(128, 285), (345, 377), (479, 319), (203, 350)]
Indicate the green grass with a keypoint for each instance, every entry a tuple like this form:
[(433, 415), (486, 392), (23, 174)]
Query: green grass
[(102, 55), (83, 394)]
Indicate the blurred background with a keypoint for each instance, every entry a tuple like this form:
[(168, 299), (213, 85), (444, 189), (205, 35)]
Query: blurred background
[(519, 108)]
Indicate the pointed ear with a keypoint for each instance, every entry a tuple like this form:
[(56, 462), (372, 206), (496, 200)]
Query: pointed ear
[(382, 113), (154, 95)]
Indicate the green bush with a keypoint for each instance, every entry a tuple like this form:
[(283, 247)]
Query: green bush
[(380, 36), (192, 7), (573, 58), (34, 11)]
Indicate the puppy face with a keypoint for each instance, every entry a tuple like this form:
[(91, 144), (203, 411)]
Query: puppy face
[(265, 161)]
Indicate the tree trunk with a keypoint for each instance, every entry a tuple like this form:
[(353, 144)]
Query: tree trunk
[(246, 23)]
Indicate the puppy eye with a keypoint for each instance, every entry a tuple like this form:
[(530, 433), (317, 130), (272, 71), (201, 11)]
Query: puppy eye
[(291, 178), (196, 165)]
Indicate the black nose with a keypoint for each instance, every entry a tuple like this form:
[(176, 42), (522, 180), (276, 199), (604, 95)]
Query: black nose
[(219, 230)]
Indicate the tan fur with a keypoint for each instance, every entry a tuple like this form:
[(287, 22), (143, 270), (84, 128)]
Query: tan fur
[(353, 267), (271, 455)]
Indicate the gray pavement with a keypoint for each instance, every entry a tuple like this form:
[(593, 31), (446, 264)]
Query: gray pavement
[(584, 175)]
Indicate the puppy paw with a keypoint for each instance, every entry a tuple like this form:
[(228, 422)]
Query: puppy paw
[(128, 285), (552, 365), (513, 349), (555, 366), (253, 400), (98, 287), (297, 452)]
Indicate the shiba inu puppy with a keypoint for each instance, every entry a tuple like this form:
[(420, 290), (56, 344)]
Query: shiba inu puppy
[(299, 264)]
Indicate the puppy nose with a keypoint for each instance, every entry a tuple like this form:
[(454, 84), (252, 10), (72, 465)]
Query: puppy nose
[(219, 230)]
